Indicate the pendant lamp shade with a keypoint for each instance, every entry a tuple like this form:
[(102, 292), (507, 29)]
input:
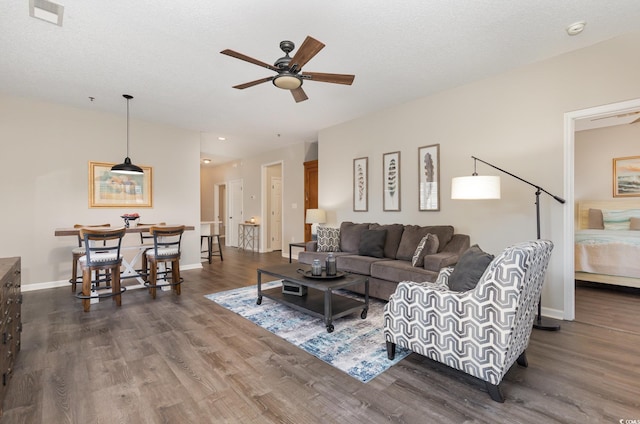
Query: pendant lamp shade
[(475, 187), (127, 167)]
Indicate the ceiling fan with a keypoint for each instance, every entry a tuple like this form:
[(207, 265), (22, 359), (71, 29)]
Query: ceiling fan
[(289, 69)]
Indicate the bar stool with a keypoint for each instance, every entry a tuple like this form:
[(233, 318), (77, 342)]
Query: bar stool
[(166, 248), (105, 257), (146, 243), (210, 238), (77, 252), (209, 231)]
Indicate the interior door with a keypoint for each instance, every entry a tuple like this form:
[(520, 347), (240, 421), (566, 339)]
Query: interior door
[(310, 192), (276, 213), (235, 212)]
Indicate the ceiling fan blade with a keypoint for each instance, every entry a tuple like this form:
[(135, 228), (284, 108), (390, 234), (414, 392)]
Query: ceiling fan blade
[(252, 83), (333, 78), (637, 120), (248, 59), (299, 95), (309, 48)]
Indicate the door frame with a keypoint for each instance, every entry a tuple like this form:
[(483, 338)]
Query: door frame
[(568, 248)]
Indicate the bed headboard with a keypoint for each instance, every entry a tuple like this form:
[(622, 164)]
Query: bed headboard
[(611, 204)]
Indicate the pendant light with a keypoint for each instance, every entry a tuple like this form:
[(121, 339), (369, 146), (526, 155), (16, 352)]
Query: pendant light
[(127, 167)]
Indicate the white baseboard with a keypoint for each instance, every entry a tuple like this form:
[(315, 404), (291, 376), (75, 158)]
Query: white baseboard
[(65, 283)]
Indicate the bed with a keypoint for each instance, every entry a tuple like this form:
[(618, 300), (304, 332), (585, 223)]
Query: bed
[(607, 242)]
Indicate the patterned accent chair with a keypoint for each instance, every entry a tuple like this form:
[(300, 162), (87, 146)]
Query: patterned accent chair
[(481, 332)]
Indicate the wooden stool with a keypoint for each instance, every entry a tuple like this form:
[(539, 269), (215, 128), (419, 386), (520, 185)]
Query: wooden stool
[(166, 248), (105, 257), (210, 250), (77, 253)]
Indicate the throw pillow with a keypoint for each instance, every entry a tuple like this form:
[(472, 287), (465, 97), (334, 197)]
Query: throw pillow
[(634, 223), (427, 246), (595, 219), (469, 269), (350, 236), (372, 243), (328, 239)]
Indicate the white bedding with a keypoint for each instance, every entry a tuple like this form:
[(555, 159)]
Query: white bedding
[(610, 252)]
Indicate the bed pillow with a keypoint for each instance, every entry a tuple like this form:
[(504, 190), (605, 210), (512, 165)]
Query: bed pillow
[(595, 219), (469, 269), (619, 220), (634, 223), (427, 246), (328, 239)]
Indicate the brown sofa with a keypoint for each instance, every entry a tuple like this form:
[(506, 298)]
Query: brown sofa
[(392, 263)]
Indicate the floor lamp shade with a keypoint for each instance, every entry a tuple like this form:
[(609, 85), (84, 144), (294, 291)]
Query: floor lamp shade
[(476, 187)]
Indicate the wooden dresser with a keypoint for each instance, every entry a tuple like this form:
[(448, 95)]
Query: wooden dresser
[(11, 324)]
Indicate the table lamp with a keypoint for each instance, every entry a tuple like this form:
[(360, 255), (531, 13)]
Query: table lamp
[(315, 217)]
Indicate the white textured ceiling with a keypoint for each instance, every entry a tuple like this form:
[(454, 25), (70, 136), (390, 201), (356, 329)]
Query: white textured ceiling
[(166, 54)]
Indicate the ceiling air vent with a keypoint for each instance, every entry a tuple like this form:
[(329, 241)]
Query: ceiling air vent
[(47, 11)]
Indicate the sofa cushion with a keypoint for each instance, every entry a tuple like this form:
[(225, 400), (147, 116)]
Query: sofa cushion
[(412, 235), (328, 239), (427, 246), (356, 263), (394, 234), (350, 236), (400, 271), (469, 269), (372, 243)]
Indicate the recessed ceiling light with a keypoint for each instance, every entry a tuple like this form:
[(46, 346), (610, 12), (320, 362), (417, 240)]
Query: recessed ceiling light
[(206, 160), (47, 11), (576, 28), (222, 138)]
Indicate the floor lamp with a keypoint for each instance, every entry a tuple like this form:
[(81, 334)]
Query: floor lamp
[(488, 187)]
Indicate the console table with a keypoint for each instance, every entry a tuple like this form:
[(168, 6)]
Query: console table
[(249, 235)]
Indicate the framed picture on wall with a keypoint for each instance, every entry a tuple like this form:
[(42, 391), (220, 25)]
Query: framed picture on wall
[(429, 177), (361, 184), (109, 190), (391, 181), (626, 176)]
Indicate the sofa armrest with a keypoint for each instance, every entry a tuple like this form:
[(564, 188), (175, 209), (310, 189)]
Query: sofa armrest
[(440, 260), (312, 246)]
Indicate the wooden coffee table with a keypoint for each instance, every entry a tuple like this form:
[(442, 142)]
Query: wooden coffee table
[(321, 299)]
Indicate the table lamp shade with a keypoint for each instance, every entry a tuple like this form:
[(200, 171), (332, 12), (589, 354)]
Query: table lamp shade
[(316, 216), (475, 187)]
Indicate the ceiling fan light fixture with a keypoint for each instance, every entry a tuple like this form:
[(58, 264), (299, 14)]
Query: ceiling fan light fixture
[(287, 81)]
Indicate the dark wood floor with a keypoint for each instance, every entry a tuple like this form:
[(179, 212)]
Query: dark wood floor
[(187, 360)]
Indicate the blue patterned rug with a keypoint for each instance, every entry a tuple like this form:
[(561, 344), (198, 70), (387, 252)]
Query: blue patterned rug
[(356, 346)]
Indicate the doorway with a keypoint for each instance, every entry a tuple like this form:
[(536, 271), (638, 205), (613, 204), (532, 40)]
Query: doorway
[(568, 248), (272, 207), (235, 214), (220, 209)]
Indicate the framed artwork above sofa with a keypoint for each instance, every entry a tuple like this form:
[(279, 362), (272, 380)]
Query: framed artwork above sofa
[(429, 177), (361, 184)]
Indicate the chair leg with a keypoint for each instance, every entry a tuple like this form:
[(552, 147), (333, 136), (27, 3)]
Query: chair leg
[(86, 288), (495, 392), (209, 247), (153, 268), (74, 273), (219, 247), (175, 275), (522, 360), (115, 286), (391, 350)]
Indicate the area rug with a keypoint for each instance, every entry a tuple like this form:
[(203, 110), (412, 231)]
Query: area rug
[(356, 346)]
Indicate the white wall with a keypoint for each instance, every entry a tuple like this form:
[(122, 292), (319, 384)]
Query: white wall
[(249, 170), (595, 150), (514, 120), (46, 149)]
